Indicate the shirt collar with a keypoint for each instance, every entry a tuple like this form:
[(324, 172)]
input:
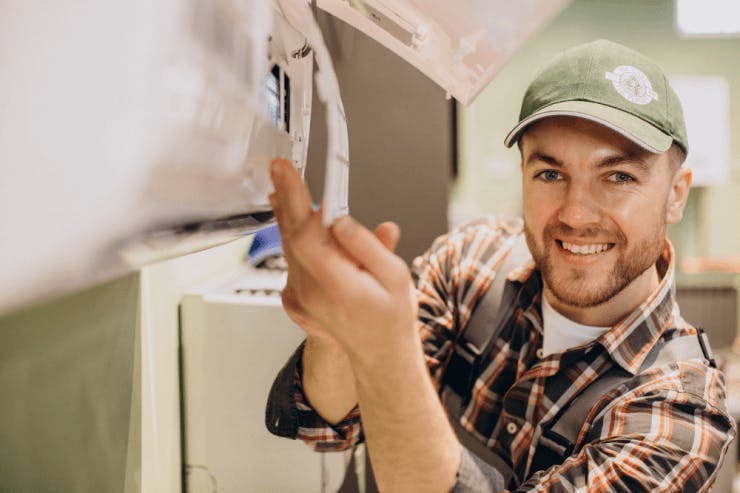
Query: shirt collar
[(630, 339)]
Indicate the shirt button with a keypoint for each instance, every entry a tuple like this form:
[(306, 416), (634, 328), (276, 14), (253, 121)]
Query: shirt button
[(512, 427), (540, 353)]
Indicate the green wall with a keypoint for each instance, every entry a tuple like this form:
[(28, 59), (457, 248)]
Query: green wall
[(490, 181), (66, 386)]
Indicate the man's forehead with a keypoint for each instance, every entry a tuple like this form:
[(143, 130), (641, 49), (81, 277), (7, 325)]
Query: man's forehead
[(561, 133)]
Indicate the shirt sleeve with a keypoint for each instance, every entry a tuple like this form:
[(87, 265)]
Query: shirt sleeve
[(659, 440), (476, 476), (289, 415)]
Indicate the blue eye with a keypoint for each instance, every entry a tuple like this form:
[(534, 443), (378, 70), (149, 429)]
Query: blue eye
[(549, 175), (620, 177)]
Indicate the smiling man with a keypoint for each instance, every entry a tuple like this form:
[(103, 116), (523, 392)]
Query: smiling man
[(593, 329), (596, 208)]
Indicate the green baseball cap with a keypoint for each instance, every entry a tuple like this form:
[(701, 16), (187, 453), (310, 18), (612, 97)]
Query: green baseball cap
[(612, 85)]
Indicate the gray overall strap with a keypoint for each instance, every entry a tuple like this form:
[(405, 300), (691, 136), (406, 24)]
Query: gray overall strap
[(490, 315), (488, 319), (485, 323), (569, 425), (470, 442)]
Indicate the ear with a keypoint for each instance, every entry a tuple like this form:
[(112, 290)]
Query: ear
[(678, 195)]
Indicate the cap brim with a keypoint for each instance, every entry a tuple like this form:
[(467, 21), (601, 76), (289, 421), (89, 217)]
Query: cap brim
[(635, 129)]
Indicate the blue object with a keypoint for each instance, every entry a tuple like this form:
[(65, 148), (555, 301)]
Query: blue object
[(266, 244)]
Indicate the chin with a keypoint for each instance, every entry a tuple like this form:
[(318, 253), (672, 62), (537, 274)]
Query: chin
[(582, 295), (582, 289)]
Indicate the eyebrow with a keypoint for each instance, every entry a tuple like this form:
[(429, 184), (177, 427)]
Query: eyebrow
[(607, 162), (629, 158), (541, 156)]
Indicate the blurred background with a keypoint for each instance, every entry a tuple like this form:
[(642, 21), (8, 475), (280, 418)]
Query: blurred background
[(114, 387)]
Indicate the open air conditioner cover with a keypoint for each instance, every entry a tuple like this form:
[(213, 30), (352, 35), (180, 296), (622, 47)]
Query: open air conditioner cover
[(460, 45)]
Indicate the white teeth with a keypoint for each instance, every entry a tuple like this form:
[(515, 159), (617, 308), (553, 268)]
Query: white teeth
[(585, 249)]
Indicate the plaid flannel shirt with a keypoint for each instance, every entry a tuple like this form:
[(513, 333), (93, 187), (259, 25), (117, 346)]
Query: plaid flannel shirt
[(666, 429)]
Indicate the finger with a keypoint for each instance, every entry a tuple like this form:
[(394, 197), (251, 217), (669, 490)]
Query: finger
[(382, 231), (388, 233), (324, 260), (370, 251), (291, 201)]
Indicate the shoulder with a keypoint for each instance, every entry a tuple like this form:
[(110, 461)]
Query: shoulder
[(680, 403), (493, 226), (692, 376), (689, 381), (481, 237)]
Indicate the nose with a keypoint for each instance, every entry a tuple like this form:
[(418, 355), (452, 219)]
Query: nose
[(579, 208)]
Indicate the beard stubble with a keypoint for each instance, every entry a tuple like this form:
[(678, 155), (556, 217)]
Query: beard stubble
[(574, 286)]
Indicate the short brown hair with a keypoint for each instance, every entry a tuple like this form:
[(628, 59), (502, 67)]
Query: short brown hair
[(677, 156)]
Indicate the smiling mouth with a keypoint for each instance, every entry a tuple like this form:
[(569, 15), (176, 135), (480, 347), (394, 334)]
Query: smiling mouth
[(587, 249)]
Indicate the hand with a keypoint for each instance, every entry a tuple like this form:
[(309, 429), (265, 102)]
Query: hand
[(344, 283), (387, 233)]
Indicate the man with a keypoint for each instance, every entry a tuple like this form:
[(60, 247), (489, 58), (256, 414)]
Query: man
[(602, 141)]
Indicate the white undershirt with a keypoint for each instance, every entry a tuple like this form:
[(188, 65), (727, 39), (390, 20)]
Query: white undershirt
[(561, 333)]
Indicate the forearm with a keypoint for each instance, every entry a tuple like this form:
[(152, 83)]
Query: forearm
[(328, 382), (411, 443)]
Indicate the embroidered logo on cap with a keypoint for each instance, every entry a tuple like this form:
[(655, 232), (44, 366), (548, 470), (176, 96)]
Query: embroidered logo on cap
[(632, 84)]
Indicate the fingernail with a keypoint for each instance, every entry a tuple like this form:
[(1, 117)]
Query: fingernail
[(343, 225), (275, 168)]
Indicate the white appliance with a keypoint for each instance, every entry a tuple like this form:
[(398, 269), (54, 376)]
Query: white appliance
[(136, 131), (235, 337)]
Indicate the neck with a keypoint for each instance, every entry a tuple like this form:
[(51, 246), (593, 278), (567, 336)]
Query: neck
[(615, 308)]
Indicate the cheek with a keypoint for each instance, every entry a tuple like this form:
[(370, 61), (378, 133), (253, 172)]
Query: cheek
[(538, 207), (638, 205), (637, 215)]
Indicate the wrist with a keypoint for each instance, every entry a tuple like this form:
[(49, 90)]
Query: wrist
[(403, 417), (323, 342), (320, 347), (386, 363)]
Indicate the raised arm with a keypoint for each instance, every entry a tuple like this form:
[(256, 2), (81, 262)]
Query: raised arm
[(362, 295)]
